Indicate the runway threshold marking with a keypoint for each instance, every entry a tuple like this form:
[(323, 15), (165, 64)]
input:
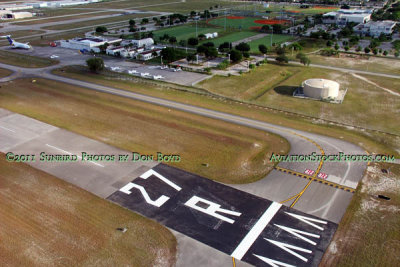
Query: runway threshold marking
[(69, 153), (312, 178), (7, 129), (255, 232)]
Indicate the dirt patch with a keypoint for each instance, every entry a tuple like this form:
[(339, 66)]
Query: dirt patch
[(271, 21), (235, 17)]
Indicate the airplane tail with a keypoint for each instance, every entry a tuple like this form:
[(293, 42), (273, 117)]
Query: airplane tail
[(10, 40)]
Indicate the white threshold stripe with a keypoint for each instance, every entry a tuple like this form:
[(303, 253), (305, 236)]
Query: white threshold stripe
[(254, 233), (7, 129), (69, 153)]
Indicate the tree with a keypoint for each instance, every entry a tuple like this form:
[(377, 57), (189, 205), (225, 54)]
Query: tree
[(358, 49), (211, 52), (132, 29), (182, 43), (329, 43), (246, 54), (95, 64), (375, 51), (225, 46), (336, 47), (201, 49), (101, 29), (191, 57), (263, 49), (132, 22), (280, 50), (295, 46), (265, 28), (235, 55), (193, 41), (193, 13), (305, 61), (172, 40), (277, 28), (282, 59), (346, 48), (209, 44), (201, 36), (367, 50), (396, 54), (385, 53), (243, 47), (144, 21)]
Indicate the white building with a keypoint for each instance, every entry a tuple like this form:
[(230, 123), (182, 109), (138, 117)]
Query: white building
[(344, 16), (149, 54), (211, 35), (87, 43), (375, 28), (146, 42), (5, 14), (114, 50), (12, 7)]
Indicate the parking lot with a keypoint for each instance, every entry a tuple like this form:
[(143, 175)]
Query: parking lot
[(75, 57)]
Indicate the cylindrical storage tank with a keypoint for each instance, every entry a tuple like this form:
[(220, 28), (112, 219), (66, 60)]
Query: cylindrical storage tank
[(320, 88)]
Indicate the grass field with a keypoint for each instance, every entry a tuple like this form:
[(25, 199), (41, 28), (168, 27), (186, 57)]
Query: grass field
[(124, 18), (374, 64), (296, 9), (42, 20), (276, 38), (369, 232), (372, 141), (4, 73), (271, 85), (37, 41), (235, 154), (230, 37), (25, 61), (245, 23), (175, 6), (184, 32), (16, 34), (48, 222)]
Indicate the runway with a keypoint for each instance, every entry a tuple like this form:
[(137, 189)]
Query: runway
[(327, 201)]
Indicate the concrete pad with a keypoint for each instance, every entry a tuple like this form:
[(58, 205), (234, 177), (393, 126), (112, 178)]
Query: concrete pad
[(324, 201)]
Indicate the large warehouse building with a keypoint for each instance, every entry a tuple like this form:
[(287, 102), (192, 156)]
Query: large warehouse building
[(88, 43), (321, 89)]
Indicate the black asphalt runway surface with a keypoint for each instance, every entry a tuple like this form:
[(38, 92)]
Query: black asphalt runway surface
[(249, 228)]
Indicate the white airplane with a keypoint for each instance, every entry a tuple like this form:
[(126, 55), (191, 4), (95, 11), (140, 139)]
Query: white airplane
[(54, 56), (15, 44)]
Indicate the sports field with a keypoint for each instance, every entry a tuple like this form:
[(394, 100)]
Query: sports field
[(231, 37), (244, 23), (276, 38), (296, 9), (185, 32)]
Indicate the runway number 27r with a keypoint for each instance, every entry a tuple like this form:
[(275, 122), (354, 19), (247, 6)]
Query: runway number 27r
[(211, 209)]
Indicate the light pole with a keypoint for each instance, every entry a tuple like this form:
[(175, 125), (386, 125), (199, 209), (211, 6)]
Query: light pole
[(161, 61)]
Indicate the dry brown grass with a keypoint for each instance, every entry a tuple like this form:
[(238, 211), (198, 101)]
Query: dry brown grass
[(235, 154), (4, 72), (369, 233), (48, 222)]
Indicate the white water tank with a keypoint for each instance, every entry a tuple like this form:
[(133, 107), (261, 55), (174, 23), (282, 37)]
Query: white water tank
[(321, 88)]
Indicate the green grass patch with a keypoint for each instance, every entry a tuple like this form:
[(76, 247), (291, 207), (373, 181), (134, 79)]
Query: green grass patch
[(184, 32), (230, 37), (124, 18), (26, 61), (276, 38)]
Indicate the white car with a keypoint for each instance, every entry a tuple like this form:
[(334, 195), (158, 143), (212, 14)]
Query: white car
[(132, 72), (158, 77), (115, 68)]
